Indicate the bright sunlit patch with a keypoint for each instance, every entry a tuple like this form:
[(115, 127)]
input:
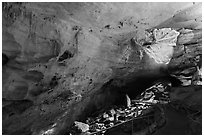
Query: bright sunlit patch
[(163, 47)]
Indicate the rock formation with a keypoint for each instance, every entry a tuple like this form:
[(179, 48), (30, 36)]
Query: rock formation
[(62, 61)]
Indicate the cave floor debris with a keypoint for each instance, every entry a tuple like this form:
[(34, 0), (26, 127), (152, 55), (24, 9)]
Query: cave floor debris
[(146, 110)]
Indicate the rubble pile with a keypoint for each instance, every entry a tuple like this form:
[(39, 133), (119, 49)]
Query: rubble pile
[(119, 115), (158, 93)]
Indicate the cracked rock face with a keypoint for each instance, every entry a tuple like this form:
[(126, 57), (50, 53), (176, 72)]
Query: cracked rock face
[(165, 40), (58, 58)]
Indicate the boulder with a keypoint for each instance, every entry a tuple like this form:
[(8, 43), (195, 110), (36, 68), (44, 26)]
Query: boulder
[(82, 127)]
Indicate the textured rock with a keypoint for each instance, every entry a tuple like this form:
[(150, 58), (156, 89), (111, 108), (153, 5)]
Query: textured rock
[(128, 101), (187, 57), (162, 50), (60, 56), (81, 126)]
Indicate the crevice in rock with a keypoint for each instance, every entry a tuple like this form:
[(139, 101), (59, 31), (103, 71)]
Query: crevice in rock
[(5, 59), (66, 55)]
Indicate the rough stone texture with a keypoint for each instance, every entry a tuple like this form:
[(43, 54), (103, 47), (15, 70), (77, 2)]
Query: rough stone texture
[(81, 126), (187, 58), (58, 58)]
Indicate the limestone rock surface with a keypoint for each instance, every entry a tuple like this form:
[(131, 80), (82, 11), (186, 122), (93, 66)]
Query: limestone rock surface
[(58, 59)]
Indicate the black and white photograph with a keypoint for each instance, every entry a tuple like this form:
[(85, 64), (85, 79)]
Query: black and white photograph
[(101, 68)]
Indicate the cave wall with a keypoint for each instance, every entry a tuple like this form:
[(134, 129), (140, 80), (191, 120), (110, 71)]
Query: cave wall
[(56, 56)]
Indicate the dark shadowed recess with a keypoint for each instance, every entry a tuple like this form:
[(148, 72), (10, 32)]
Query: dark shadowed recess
[(117, 95)]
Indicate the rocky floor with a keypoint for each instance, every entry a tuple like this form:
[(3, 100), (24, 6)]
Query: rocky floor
[(121, 119), (120, 115)]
